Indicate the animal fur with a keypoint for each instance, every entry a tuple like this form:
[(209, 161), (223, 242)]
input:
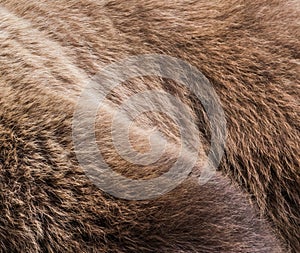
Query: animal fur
[(249, 50)]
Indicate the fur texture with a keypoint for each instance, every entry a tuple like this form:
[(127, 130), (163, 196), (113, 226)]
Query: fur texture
[(249, 50)]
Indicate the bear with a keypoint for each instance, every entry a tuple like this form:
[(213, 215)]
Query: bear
[(247, 50)]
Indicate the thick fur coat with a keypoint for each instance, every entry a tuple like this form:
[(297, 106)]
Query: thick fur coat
[(249, 51)]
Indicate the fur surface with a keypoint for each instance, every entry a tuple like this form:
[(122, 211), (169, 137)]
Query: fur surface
[(249, 50)]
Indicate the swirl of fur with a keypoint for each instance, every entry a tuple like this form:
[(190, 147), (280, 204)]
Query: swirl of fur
[(249, 50)]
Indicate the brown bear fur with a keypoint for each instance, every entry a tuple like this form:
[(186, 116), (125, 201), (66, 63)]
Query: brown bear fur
[(249, 50)]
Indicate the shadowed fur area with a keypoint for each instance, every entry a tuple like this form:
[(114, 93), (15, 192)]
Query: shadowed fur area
[(248, 50)]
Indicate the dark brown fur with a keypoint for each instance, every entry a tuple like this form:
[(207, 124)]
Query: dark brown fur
[(249, 50)]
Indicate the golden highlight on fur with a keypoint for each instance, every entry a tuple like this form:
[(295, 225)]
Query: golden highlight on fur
[(249, 51)]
